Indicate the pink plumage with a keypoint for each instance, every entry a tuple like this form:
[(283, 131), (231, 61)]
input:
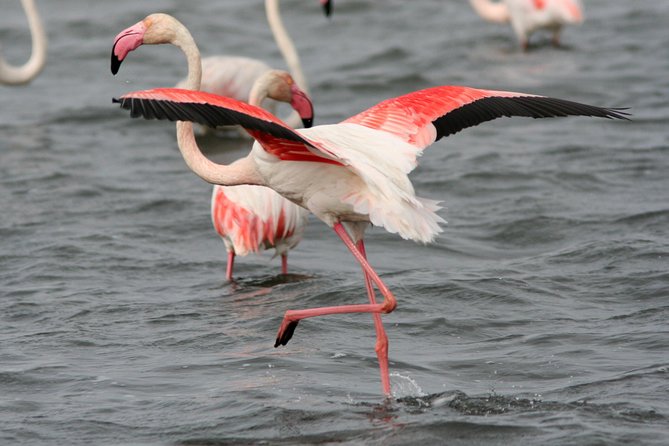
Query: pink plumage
[(254, 218), (358, 170)]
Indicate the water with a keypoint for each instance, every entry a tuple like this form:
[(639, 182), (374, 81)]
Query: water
[(537, 317)]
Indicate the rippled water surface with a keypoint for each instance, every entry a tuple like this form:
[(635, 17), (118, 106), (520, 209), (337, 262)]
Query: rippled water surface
[(539, 315)]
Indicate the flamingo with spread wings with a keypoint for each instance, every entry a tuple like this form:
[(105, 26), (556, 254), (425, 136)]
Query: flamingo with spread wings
[(528, 16), (248, 218), (11, 75), (349, 174)]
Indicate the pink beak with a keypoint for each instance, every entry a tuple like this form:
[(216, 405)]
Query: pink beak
[(127, 40), (302, 105)]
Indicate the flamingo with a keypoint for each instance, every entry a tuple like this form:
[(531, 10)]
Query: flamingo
[(527, 16), (349, 175), (248, 218), (233, 76), (25, 73)]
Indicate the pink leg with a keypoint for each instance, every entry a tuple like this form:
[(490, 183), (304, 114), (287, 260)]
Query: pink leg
[(292, 317), (231, 264), (284, 264), (381, 347)]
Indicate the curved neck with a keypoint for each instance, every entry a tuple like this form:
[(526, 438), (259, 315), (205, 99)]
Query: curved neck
[(285, 43), (25, 73), (491, 11), (183, 39), (241, 171), (259, 91)]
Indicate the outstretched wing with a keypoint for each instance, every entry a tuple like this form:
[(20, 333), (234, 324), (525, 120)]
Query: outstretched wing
[(423, 117), (212, 110)]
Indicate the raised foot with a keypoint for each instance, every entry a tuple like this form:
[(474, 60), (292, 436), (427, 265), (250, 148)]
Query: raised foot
[(285, 332)]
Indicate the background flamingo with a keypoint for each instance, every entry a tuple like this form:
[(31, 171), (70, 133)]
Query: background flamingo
[(23, 74), (527, 16), (248, 218), (233, 76), (349, 174)]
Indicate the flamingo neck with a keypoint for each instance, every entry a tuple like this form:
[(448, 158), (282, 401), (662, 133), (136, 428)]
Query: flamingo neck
[(491, 11), (183, 39), (285, 43), (23, 74), (259, 91), (242, 171)]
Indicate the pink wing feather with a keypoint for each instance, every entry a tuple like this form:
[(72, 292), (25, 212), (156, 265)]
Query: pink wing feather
[(252, 218), (419, 118), (410, 116), (275, 136), (422, 117)]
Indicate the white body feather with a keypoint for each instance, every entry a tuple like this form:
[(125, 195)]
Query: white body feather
[(373, 187)]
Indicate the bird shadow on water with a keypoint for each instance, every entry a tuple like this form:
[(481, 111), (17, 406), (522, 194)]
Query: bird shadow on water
[(242, 284), (244, 288), (271, 281)]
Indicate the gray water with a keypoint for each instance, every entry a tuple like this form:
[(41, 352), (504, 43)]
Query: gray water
[(539, 315)]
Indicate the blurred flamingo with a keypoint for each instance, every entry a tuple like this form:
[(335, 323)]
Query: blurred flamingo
[(527, 16), (248, 217), (25, 73)]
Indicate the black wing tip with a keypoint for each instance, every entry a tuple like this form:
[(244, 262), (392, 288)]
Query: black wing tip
[(286, 334), (619, 113), (492, 107)]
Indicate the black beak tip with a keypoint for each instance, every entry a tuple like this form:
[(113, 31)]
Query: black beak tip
[(115, 63), (307, 122)]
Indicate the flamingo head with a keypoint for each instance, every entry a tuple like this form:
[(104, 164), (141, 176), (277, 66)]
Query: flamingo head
[(127, 40), (327, 7), (280, 86), (154, 29), (302, 105)]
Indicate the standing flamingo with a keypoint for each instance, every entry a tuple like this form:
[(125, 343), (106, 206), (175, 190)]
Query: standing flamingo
[(248, 218), (349, 174), (527, 16), (233, 76), (23, 74)]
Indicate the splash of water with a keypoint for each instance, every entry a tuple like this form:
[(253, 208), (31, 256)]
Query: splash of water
[(404, 386)]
